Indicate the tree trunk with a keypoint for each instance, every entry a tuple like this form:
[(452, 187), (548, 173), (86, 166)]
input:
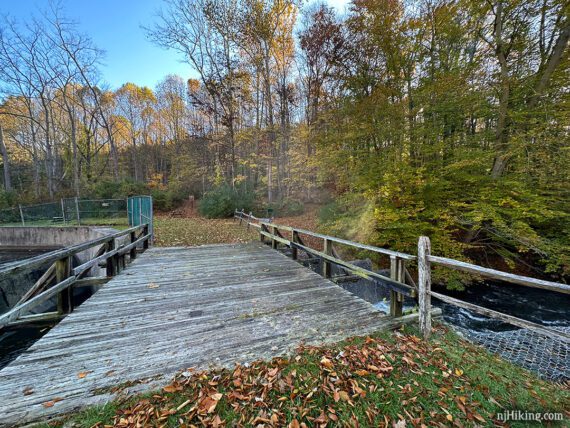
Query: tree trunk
[(6, 161)]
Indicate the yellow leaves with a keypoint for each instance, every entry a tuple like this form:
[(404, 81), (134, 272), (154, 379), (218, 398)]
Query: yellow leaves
[(458, 372)]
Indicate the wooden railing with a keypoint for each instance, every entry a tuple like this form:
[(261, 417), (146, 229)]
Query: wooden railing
[(425, 260), (65, 277), (400, 281)]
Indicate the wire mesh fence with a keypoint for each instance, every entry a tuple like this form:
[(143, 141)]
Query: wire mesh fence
[(69, 211)]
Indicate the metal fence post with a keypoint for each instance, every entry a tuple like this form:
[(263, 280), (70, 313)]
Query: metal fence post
[(424, 285), (63, 210), (77, 211), (21, 215)]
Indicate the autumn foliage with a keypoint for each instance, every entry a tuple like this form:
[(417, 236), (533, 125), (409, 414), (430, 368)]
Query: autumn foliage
[(380, 381)]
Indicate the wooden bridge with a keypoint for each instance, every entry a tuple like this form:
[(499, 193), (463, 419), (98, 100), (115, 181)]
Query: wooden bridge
[(172, 309)]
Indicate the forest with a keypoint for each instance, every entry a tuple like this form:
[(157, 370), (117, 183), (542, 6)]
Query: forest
[(445, 118)]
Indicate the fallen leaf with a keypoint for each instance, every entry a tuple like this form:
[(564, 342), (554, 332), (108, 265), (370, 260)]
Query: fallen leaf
[(81, 375)]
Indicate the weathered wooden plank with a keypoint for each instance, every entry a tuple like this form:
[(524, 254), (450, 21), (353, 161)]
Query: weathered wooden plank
[(424, 285)]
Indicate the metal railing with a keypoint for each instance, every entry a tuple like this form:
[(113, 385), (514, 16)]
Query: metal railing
[(60, 277)]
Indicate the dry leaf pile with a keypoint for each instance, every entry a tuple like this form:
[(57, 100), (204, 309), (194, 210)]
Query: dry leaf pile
[(369, 382)]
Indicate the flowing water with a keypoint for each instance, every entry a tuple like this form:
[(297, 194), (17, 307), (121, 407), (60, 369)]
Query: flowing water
[(548, 358)]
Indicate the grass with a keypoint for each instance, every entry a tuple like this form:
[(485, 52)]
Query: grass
[(388, 379), (199, 231)]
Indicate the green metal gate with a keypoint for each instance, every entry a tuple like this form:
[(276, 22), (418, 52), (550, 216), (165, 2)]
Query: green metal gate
[(139, 210)]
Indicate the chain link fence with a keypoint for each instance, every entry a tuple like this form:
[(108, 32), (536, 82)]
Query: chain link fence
[(69, 211)]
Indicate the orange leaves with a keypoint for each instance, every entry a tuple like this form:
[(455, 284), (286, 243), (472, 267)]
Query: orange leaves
[(320, 387), (174, 387), (208, 404), (81, 375), (51, 403)]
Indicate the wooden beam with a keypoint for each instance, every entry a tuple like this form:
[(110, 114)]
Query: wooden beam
[(397, 274), (48, 275), (92, 281), (17, 311), (328, 250), (403, 256), (504, 276), (424, 285), (553, 334), (28, 319), (405, 289)]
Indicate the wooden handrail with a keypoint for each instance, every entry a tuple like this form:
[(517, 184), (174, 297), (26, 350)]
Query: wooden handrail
[(425, 259), (497, 274), (396, 283), (404, 256), (34, 262), (67, 277)]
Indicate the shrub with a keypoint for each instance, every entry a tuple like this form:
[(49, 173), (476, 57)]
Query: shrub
[(221, 201), (287, 207)]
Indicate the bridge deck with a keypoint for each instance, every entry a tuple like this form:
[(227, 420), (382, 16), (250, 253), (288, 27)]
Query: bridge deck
[(176, 308)]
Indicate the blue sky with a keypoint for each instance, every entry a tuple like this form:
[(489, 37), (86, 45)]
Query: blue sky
[(115, 26)]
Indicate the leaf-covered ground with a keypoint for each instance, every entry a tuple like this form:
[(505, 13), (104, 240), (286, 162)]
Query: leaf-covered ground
[(387, 380), (192, 231)]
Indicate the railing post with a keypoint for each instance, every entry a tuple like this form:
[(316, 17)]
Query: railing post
[(274, 242), (241, 216), (111, 267), (133, 253), (249, 219), (146, 241), (424, 285), (294, 240), (327, 249), (397, 270), (262, 228), (64, 297)]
